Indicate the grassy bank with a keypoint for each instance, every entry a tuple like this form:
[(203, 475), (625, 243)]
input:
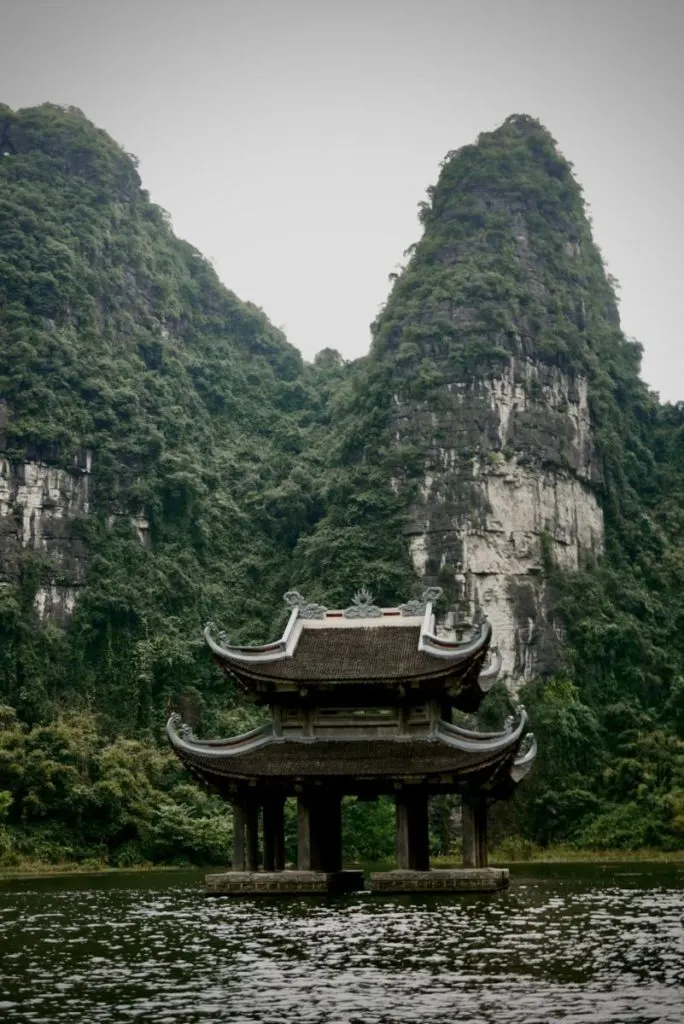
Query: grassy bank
[(528, 853), (39, 869), (507, 854)]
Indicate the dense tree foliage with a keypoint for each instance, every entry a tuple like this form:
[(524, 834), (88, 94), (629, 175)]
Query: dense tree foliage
[(121, 350)]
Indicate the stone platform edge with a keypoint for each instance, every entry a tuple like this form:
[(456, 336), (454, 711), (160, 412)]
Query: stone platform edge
[(441, 880), (274, 883)]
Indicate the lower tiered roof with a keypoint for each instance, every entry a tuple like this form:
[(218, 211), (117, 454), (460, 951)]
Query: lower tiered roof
[(437, 755)]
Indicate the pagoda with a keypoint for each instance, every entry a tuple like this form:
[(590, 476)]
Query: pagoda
[(361, 703)]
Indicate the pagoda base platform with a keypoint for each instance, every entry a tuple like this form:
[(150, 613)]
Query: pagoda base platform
[(283, 883), (441, 880)]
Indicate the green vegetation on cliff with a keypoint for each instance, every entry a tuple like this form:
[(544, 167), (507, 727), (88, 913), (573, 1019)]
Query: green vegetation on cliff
[(119, 347), (506, 274), (125, 364)]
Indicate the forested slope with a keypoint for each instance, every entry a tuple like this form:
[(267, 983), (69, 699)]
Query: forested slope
[(171, 417), (121, 352), (168, 459)]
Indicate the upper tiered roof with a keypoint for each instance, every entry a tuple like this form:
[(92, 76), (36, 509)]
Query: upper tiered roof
[(394, 650)]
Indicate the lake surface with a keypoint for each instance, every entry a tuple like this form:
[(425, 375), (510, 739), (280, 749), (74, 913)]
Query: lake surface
[(565, 943)]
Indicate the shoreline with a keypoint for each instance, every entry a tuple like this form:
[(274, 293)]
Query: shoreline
[(558, 855), (42, 870)]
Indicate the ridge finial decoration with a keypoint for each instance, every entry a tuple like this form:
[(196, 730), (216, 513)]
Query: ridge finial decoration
[(528, 741), (362, 606), (492, 658), (220, 634), (180, 727), (305, 609), (418, 605)]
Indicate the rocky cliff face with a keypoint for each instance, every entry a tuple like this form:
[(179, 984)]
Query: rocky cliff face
[(510, 479), (493, 333), (40, 510), (39, 506)]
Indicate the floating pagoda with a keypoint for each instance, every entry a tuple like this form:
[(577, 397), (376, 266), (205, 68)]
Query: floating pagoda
[(361, 703)]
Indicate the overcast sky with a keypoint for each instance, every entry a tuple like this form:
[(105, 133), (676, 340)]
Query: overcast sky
[(291, 140)]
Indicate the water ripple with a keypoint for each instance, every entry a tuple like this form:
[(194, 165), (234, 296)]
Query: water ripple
[(562, 945)]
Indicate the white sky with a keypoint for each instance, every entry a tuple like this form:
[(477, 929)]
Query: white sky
[(292, 141)]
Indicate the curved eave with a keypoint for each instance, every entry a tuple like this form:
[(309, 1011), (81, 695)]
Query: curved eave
[(511, 772), (259, 655), (183, 741), (522, 766), (489, 675), (453, 651), (490, 742), (262, 754)]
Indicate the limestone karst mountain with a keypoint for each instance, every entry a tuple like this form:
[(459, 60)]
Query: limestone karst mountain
[(504, 312), (489, 400), (166, 457)]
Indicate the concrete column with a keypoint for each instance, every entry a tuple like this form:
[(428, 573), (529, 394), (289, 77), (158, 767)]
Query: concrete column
[(413, 839), (251, 835), (274, 834), (474, 829), (238, 835)]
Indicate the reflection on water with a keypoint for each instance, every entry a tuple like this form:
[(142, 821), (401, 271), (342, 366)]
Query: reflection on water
[(571, 944)]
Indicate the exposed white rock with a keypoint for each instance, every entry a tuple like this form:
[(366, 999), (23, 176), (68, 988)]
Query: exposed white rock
[(419, 553), (38, 503), (141, 525), (55, 602), (530, 484), (42, 494), (504, 561)]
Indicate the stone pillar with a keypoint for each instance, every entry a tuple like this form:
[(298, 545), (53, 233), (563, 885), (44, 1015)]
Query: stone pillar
[(238, 835), (402, 832), (420, 833), (316, 816), (279, 835), (413, 840), (474, 829), (319, 821), (251, 835), (331, 832), (308, 849), (274, 834)]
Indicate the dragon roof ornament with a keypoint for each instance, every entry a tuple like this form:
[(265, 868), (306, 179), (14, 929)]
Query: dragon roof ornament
[(305, 609), (417, 606)]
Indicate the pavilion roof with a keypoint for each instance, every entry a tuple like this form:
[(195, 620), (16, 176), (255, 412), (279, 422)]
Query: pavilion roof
[(263, 756), (363, 643)]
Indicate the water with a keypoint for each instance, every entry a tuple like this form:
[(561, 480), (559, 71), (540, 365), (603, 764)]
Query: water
[(571, 944)]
